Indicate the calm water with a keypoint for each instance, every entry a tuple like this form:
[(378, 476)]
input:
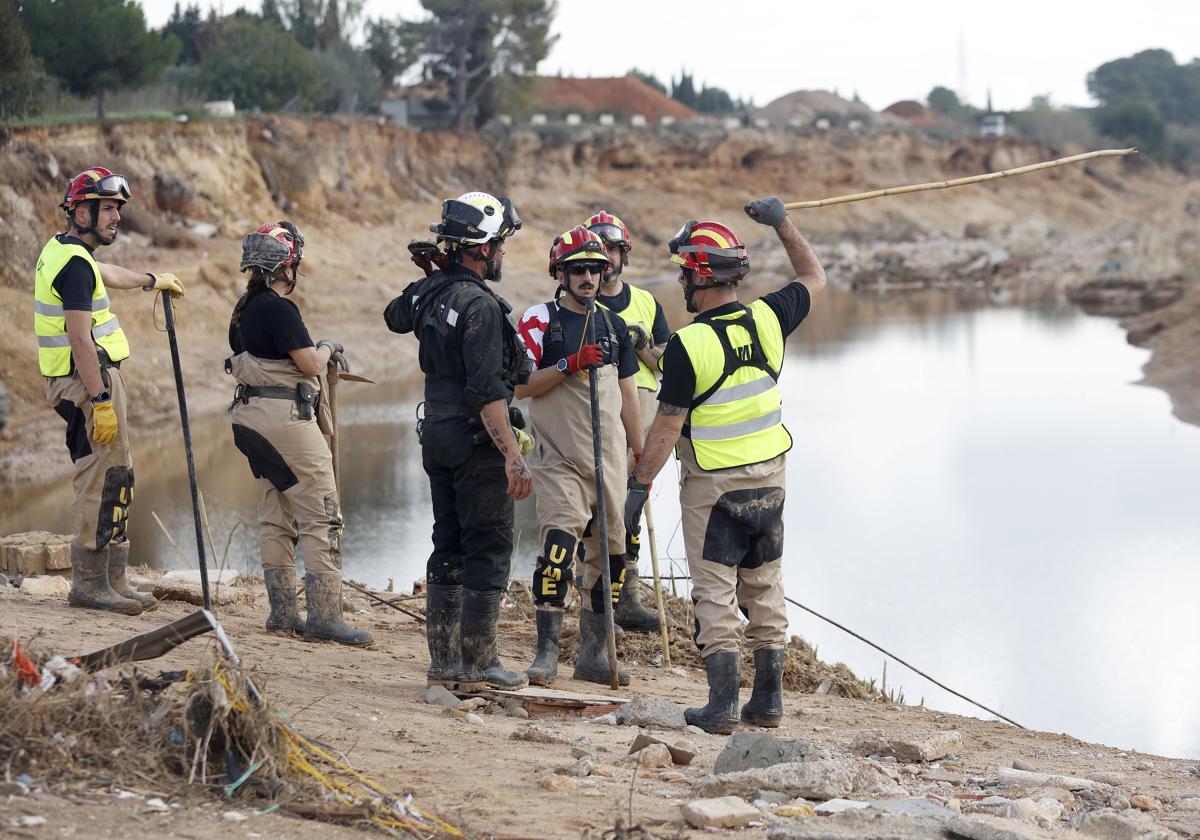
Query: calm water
[(981, 490)]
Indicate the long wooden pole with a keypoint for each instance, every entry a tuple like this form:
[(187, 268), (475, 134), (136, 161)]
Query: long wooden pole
[(658, 592), (958, 182)]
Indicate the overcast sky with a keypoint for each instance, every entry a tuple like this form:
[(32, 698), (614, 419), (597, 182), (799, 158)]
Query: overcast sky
[(884, 51)]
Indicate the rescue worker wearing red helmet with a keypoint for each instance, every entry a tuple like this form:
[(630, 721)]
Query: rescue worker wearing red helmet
[(469, 433), (81, 347), (648, 330), (720, 403), (279, 424), (568, 340)]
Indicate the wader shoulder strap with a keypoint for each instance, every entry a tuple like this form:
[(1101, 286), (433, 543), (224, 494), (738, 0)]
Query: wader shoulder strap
[(752, 356), (554, 344)]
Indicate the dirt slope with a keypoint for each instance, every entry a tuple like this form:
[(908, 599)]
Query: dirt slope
[(360, 191)]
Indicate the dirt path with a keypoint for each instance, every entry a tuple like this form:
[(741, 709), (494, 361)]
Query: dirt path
[(368, 703)]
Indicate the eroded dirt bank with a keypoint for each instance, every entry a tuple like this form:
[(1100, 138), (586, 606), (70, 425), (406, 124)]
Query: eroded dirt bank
[(360, 191)]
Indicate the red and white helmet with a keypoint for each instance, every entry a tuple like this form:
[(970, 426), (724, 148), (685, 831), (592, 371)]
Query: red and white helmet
[(95, 183), (578, 243), (711, 250), (611, 229), (273, 246)]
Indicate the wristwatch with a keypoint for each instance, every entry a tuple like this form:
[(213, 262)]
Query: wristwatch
[(563, 367), (103, 396)]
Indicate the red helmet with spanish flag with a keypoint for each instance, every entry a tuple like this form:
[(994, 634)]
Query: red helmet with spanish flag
[(578, 243), (611, 229), (711, 250), (96, 183)]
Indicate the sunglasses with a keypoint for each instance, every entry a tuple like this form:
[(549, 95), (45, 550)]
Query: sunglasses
[(580, 269)]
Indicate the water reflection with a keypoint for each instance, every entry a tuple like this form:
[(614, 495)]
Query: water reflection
[(979, 489)]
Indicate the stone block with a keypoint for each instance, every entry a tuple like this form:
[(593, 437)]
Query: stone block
[(721, 812), (815, 779), (49, 586), (750, 750), (648, 711), (913, 747)]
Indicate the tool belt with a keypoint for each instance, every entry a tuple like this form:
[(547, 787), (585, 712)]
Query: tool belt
[(306, 397)]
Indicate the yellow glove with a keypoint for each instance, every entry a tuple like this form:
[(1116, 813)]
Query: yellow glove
[(166, 282), (524, 441), (104, 421)]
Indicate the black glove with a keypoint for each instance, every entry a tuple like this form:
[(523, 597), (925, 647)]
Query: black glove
[(767, 211), (634, 502), (638, 335), (515, 417)]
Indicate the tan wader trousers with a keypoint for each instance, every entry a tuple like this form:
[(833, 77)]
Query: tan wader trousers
[(733, 536), (564, 481), (291, 459), (103, 474)]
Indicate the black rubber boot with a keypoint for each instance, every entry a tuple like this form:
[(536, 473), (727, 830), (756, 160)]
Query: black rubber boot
[(89, 584), (592, 663), (720, 716), (481, 668), (323, 592), (629, 612), (443, 633), (118, 562), (545, 665), (766, 701), (281, 593)]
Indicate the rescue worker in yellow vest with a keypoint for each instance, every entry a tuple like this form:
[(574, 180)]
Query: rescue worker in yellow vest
[(647, 325), (719, 392), (567, 344), (80, 350), (278, 420)]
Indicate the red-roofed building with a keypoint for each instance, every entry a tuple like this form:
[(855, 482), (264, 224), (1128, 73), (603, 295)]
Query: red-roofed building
[(622, 96)]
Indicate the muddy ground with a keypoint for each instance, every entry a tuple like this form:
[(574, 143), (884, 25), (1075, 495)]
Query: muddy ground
[(369, 704)]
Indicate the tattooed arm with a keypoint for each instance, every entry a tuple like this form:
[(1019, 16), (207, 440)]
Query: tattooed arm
[(495, 419), (660, 440)]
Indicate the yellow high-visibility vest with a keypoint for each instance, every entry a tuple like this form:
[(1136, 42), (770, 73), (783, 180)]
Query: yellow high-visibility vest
[(50, 321), (736, 416), (641, 310)]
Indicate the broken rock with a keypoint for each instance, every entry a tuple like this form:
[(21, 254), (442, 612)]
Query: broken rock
[(926, 746), (1128, 825), (750, 750), (50, 586), (722, 812), (539, 735), (1145, 803), (648, 711), (439, 695), (978, 827), (815, 779), (557, 784)]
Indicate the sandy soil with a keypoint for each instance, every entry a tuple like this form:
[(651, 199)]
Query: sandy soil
[(368, 703)]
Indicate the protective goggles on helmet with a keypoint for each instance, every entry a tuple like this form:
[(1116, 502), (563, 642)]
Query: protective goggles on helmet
[(719, 263), (612, 234), (110, 186), (465, 222)]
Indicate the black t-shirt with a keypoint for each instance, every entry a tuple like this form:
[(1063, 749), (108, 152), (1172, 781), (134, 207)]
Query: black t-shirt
[(790, 305), (659, 331), (532, 332), (75, 282), (271, 326)]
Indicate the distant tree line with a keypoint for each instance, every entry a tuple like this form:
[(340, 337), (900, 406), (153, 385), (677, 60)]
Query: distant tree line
[(707, 100), (302, 55)]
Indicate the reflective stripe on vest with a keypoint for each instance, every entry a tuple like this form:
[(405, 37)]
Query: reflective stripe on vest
[(641, 310), (49, 317), (741, 421)]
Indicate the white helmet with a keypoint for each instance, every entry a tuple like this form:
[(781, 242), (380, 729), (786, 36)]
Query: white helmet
[(476, 218)]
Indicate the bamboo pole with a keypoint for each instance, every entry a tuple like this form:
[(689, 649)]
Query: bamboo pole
[(958, 182)]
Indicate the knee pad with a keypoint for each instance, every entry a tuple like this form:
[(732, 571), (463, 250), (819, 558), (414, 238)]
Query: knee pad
[(552, 575), (336, 527), (115, 498), (616, 572)]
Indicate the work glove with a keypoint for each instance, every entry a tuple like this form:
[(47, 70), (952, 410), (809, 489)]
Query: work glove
[(635, 500), (336, 356), (524, 441), (767, 211), (165, 282), (589, 356), (639, 336), (104, 420)]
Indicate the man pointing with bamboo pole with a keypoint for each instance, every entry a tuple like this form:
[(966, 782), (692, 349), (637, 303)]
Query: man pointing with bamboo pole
[(719, 401)]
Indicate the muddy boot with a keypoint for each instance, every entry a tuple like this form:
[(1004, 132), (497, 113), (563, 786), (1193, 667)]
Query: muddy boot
[(720, 716), (443, 634), (629, 612), (545, 665), (281, 593), (766, 701), (592, 662), (118, 561), (481, 668), (323, 593), (89, 584)]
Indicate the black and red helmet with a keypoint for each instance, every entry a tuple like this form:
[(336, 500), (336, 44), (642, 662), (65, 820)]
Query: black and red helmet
[(273, 246)]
